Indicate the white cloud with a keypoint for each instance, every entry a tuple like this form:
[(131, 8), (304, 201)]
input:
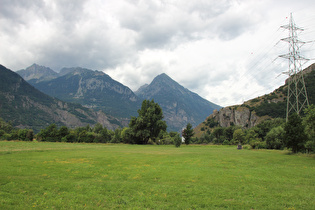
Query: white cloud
[(222, 50)]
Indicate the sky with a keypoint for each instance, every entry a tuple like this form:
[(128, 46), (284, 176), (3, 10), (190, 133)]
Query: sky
[(224, 50)]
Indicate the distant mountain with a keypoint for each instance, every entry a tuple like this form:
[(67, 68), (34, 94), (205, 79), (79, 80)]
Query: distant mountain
[(180, 106), (25, 106), (97, 90), (36, 73), (92, 89), (254, 111), (141, 89), (65, 71)]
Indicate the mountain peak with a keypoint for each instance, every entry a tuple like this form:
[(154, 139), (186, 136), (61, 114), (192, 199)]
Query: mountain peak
[(35, 65), (180, 106), (163, 76), (36, 73), (164, 82), (38, 67)]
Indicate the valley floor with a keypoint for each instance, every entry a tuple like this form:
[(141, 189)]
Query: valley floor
[(65, 176)]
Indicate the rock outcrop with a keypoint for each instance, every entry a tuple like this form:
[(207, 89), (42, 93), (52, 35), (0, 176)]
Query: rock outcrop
[(240, 116)]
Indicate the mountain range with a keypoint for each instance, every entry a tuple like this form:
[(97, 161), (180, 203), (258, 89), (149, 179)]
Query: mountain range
[(27, 107), (92, 89), (98, 98), (96, 90)]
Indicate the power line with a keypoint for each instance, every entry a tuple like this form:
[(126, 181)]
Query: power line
[(262, 67), (297, 98)]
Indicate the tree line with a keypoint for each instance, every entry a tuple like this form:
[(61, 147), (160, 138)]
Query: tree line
[(147, 128), (298, 134)]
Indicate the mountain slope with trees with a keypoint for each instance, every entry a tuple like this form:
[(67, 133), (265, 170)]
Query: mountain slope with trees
[(257, 110), (25, 106)]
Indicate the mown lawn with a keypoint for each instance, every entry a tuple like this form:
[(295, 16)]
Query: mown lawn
[(89, 176)]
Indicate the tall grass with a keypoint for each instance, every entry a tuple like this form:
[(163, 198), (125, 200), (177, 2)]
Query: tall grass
[(65, 176)]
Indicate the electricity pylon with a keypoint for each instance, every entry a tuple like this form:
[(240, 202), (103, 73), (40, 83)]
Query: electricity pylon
[(297, 98)]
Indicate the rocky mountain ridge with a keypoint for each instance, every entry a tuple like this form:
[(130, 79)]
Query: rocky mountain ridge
[(95, 89), (25, 106), (92, 89), (36, 73)]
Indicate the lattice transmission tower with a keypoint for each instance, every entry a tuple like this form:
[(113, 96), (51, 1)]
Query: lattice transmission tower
[(297, 98)]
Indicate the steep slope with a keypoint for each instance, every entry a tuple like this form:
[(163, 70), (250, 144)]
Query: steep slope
[(92, 89), (254, 111), (25, 106), (180, 106), (141, 89), (36, 73)]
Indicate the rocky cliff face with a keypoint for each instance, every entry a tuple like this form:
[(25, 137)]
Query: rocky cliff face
[(229, 116), (240, 116)]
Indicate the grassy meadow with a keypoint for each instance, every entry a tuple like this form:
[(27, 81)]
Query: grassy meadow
[(88, 176)]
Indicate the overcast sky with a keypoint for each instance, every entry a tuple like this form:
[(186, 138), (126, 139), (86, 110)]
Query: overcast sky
[(224, 50)]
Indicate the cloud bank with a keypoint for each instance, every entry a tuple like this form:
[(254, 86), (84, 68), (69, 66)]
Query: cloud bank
[(223, 50)]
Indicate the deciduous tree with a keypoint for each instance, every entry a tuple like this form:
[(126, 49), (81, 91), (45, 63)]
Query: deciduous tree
[(295, 136), (309, 123), (148, 124)]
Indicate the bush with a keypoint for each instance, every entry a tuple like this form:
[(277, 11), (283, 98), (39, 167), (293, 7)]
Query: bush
[(151, 142), (295, 136), (246, 147), (261, 145), (30, 135), (275, 138), (71, 137), (226, 142), (25, 135), (64, 139), (238, 136), (177, 140), (6, 136), (310, 146), (257, 144), (250, 134)]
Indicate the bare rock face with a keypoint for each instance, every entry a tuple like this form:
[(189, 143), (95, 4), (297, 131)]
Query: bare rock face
[(241, 116), (225, 117)]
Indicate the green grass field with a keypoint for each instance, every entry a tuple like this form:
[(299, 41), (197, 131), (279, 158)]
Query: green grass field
[(90, 176)]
